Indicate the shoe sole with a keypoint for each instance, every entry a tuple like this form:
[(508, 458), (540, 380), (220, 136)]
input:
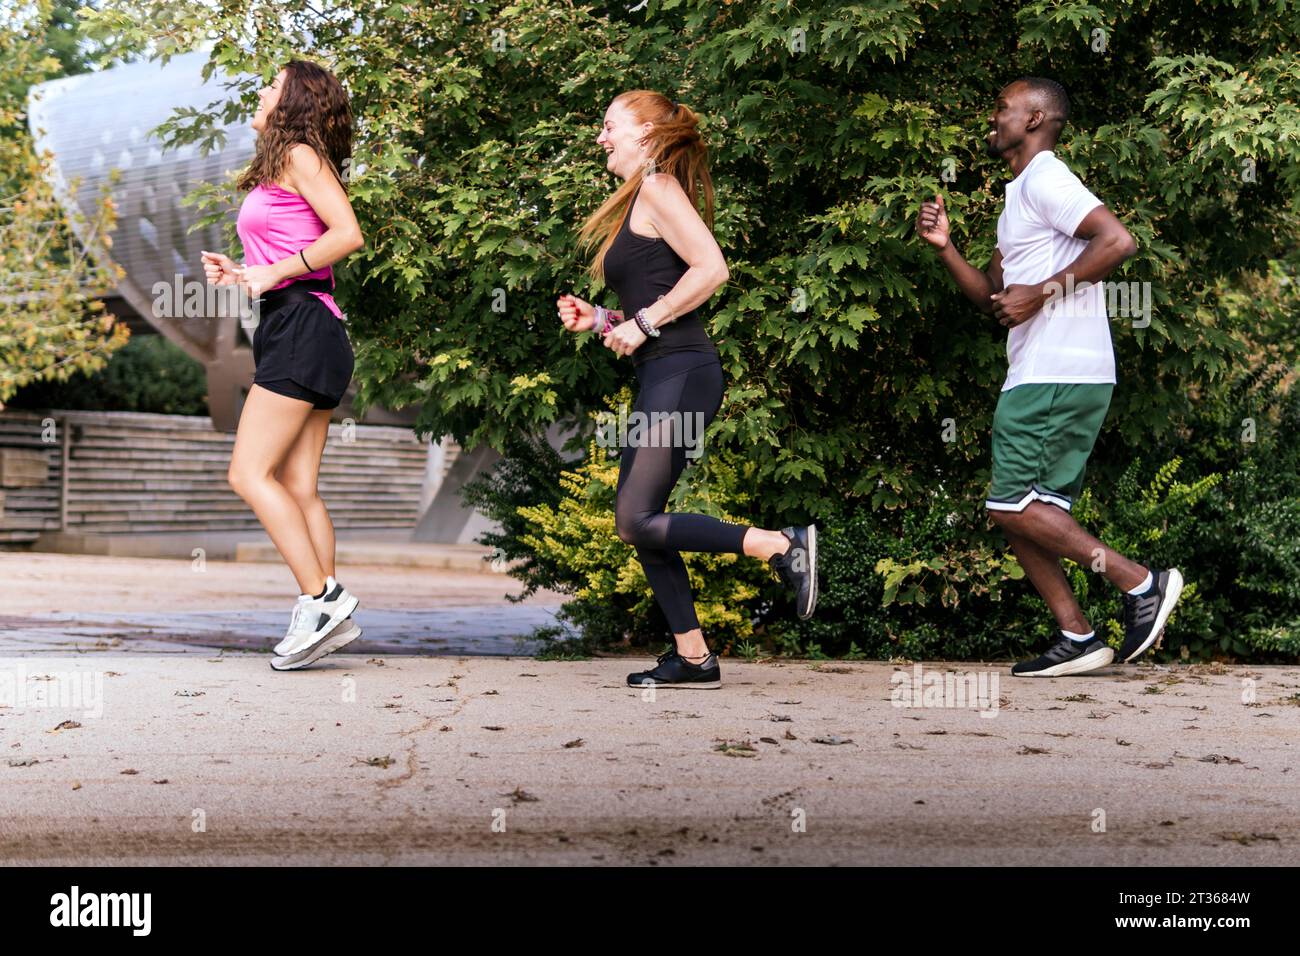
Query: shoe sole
[(812, 573), (326, 647), (341, 614), (698, 685), (1166, 608), (1080, 665)]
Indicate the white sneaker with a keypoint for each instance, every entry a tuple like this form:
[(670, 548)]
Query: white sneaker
[(341, 636), (287, 641), (314, 619)]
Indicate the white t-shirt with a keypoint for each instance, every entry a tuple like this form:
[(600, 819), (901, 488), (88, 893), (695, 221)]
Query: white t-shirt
[(1068, 340)]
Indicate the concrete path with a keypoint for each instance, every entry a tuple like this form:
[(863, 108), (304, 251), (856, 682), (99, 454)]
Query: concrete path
[(220, 760), (207, 756), (60, 603), (468, 629)]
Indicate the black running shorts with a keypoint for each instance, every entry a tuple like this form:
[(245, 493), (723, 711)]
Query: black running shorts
[(301, 349)]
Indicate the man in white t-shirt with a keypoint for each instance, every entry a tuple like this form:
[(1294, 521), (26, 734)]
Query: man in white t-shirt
[(1056, 243)]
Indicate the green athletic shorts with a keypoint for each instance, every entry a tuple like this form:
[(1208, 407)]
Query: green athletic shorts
[(1042, 437)]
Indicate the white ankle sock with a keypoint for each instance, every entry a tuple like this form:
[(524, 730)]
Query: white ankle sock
[(1080, 638), (1145, 585)]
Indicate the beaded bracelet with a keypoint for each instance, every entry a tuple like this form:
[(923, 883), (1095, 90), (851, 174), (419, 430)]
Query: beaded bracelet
[(643, 323)]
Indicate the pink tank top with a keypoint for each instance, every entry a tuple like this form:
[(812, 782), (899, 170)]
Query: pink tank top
[(275, 224)]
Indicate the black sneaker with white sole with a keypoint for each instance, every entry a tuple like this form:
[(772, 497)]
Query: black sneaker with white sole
[(673, 670), (798, 568), (1145, 614), (1067, 657)]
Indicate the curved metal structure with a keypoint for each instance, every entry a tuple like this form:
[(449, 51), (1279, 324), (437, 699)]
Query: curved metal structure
[(94, 123)]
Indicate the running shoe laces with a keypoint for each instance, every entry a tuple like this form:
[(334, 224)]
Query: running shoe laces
[(301, 622), (293, 618)]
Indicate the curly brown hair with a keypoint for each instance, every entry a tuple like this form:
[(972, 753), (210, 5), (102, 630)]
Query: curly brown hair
[(313, 109), (675, 147)]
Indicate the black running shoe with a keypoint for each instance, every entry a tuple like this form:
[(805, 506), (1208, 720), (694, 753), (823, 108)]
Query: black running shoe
[(673, 670), (1145, 614), (1067, 657), (798, 568)]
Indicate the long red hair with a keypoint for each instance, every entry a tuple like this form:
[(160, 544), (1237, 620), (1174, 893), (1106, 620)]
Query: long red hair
[(674, 146)]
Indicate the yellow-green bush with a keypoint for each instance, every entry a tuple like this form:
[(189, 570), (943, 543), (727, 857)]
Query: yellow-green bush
[(573, 527)]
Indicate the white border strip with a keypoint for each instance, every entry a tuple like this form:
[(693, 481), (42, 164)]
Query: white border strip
[(1034, 494)]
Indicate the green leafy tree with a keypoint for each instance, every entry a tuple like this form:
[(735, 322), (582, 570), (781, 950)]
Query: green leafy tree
[(860, 383), (52, 325)]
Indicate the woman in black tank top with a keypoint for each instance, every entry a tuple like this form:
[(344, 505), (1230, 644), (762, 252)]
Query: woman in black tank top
[(641, 270), (659, 256)]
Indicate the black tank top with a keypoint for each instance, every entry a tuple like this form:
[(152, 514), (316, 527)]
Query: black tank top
[(640, 270)]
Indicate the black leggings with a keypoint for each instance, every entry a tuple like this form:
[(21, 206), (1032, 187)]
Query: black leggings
[(690, 384)]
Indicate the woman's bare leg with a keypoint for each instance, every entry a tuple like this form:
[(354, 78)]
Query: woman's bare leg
[(299, 474), (268, 427), (763, 544), (692, 646)]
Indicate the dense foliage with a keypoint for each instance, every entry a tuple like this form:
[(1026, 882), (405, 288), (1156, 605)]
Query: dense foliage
[(860, 384), (148, 374), (53, 326)]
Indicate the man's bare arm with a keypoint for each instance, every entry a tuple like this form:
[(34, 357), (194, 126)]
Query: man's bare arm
[(978, 286)]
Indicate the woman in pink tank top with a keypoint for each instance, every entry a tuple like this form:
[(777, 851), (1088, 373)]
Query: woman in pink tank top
[(295, 223)]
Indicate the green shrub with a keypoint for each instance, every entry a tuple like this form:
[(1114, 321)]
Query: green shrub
[(148, 374), (933, 583), (558, 522)]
